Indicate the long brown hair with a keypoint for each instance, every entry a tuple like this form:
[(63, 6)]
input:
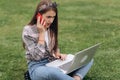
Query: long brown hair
[(43, 7)]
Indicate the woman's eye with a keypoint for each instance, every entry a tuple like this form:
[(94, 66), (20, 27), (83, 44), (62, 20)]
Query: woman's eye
[(50, 16)]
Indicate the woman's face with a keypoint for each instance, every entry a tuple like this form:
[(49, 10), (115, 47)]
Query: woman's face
[(49, 17)]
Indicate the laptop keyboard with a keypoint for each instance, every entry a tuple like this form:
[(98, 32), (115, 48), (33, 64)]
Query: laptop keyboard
[(65, 66)]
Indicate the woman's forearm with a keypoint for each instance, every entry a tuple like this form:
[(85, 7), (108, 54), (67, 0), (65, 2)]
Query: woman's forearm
[(41, 39)]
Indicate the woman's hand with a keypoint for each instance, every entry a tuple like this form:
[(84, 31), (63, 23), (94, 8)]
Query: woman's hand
[(63, 56), (41, 29), (60, 56), (40, 25)]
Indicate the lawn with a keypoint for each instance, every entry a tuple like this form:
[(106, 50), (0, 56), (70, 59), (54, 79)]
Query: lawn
[(82, 23)]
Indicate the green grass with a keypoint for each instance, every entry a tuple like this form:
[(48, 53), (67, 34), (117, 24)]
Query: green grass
[(82, 23)]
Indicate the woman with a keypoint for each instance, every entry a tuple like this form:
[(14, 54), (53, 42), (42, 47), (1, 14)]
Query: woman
[(41, 45)]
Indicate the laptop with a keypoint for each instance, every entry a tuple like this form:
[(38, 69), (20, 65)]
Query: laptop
[(76, 61)]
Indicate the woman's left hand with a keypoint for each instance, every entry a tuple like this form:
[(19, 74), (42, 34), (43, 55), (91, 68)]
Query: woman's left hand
[(60, 56), (63, 56)]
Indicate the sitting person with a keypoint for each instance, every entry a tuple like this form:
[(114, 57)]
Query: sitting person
[(40, 40)]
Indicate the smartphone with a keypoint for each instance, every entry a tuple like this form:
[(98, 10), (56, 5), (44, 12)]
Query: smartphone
[(39, 15), (42, 22)]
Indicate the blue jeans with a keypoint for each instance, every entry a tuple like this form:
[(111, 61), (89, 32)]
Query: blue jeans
[(38, 71)]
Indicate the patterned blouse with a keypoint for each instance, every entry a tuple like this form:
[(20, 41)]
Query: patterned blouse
[(34, 50)]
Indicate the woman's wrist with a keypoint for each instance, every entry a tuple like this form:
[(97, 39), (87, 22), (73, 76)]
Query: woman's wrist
[(41, 42), (41, 39), (42, 36)]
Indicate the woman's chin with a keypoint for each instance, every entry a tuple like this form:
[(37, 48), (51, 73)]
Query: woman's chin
[(47, 26)]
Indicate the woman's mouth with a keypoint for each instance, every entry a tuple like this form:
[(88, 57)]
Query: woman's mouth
[(48, 24)]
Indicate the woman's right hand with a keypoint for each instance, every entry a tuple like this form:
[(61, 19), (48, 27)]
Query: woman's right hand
[(41, 29), (40, 25)]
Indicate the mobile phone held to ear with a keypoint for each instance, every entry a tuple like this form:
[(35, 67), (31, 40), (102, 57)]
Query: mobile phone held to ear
[(41, 19), (39, 15)]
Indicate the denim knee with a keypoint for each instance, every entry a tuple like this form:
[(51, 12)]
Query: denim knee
[(39, 74), (84, 70)]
